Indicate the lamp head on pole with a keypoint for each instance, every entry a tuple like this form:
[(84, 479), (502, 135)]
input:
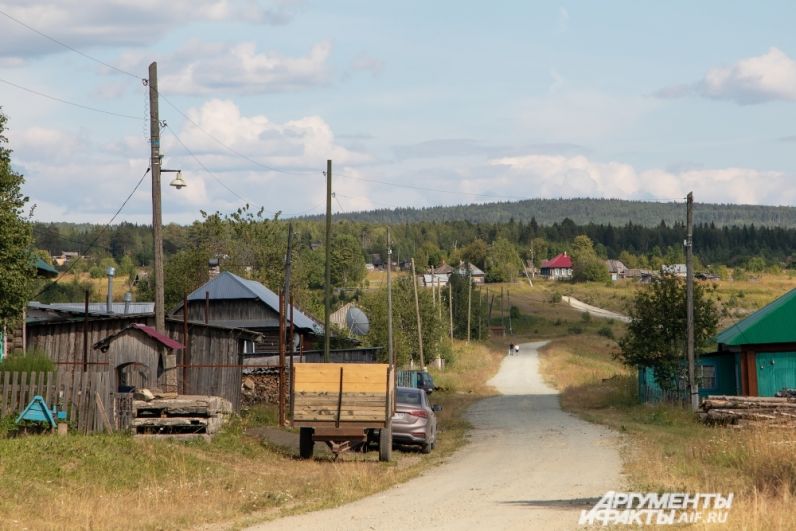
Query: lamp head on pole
[(178, 181)]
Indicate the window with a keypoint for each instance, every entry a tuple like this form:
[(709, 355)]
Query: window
[(707, 377)]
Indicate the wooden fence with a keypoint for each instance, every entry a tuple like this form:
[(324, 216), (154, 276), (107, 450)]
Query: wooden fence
[(87, 397)]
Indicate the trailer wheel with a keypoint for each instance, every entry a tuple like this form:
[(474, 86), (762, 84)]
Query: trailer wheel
[(385, 444), (306, 444)]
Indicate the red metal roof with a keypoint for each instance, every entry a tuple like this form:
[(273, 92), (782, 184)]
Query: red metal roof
[(157, 336), (560, 261)]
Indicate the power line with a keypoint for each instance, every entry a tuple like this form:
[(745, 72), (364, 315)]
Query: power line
[(97, 237), (61, 100), (61, 43)]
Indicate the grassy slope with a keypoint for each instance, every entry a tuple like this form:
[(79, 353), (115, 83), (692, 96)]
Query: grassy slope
[(108, 482)]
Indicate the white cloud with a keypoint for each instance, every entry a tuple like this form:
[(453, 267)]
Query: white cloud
[(767, 77), (578, 176), (87, 23), (211, 68)]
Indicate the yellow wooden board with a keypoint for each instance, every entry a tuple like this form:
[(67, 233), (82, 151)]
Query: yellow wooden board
[(325, 377)]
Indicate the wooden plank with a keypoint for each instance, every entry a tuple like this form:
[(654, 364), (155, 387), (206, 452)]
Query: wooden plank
[(14, 407), (102, 413), (350, 386), (176, 421), (330, 372), (344, 417), (4, 389)]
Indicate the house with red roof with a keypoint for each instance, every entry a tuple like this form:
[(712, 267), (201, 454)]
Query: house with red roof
[(558, 268)]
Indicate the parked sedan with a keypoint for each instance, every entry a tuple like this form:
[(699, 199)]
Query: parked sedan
[(414, 421)]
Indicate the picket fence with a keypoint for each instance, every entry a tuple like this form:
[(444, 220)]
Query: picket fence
[(88, 398)]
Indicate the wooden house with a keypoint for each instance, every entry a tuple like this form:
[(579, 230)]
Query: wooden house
[(755, 356), (234, 302), (558, 268)]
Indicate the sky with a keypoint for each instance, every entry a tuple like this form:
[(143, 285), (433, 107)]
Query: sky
[(417, 103)]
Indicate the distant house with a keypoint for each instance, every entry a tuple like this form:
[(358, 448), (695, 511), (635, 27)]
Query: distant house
[(616, 269), (678, 270), (440, 276), (558, 268), (65, 257)]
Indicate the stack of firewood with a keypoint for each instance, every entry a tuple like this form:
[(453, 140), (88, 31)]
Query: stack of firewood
[(749, 410)]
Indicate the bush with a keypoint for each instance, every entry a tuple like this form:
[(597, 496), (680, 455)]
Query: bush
[(585, 317), (29, 362), (514, 312), (575, 329), (555, 297), (606, 331)]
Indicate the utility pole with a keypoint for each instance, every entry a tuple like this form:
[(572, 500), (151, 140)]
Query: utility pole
[(450, 306), (480, 312), (508, 305), (419, 326), (390, 353), (327, 295), (157, 218), (283, 305), (693, 389), (469, 300)]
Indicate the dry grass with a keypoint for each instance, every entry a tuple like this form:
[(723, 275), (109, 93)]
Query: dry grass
[(118, 482), (668, 449)]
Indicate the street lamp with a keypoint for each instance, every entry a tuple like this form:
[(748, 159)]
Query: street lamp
[(178, 182)]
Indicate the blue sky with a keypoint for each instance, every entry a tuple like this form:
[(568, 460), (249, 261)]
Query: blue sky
[(418, 104)]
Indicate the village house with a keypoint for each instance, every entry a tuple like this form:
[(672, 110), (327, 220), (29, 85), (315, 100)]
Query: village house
[(439, 276), (558, 268), (616, 269)]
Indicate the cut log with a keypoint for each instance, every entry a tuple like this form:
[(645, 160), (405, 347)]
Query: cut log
[(169, 422)]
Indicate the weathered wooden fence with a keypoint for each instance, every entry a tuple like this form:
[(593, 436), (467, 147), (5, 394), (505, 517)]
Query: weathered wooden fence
[(87, 397)]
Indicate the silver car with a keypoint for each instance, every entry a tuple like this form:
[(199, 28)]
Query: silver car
[(414, 421)]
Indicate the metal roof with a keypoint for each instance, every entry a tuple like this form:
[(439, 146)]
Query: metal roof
[(560, 261), (230, 286), (102, 307), (148, 330), (774, 323)]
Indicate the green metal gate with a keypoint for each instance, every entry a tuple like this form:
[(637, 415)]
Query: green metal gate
[(775, 371)]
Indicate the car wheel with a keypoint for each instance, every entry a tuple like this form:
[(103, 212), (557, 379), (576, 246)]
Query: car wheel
[(426, 448)]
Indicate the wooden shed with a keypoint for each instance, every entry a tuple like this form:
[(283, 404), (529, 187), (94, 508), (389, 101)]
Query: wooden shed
[(141, 357)]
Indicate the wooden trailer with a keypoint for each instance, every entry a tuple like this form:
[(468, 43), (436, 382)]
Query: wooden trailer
[(343, 405)]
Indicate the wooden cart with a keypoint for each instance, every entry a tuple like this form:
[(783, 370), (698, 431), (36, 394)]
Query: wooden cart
[(344, 405)]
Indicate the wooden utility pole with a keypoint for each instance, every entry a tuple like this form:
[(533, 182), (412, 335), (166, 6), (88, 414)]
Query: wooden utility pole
[(283, 298), (469, 300), (281, 389), (327, 292), (450, 306), (480, 312), (157, 218), (693, 389), (390, 353), (417, 312), (508, 305)]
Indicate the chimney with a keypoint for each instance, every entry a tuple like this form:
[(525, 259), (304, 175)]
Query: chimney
[(213, 268), (111, 272), (128, 298)]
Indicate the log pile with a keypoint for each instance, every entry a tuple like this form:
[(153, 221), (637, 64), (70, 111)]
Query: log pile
[(739, 411), (262, 386), (180, 415)]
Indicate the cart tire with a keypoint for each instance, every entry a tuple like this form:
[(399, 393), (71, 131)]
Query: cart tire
[(306, 444), (385, 444)]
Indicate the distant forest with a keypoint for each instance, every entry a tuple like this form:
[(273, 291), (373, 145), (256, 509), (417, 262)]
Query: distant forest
[(615, 212)]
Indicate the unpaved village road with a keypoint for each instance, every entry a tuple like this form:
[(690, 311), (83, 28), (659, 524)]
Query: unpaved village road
[(528, 466)]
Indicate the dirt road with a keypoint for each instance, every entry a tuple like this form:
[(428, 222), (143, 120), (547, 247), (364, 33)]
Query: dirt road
[(528, 466), (594, 310)]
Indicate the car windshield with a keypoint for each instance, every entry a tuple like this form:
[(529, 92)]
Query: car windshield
[(409, 396)]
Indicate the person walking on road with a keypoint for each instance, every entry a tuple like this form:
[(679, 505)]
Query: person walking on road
[(517, 348), (511, 349)]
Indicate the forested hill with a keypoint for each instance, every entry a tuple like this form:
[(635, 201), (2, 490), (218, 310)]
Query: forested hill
[(584, 211)]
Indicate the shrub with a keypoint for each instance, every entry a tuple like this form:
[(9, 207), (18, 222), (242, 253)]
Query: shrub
[(514, 312), (585, 317), (575, 329), (606, 331), (35, 361), (555, 297)]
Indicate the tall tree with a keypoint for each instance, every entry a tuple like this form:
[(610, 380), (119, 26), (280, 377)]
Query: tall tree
[(17, 267)]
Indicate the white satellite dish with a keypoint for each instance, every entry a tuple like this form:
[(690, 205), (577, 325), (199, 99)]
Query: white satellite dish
[(356, 321)]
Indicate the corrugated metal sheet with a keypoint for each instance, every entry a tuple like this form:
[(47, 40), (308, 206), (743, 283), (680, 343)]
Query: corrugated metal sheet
[(230, 286), (774, 323)]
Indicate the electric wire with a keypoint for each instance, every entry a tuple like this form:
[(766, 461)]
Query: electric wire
[(67, 102), (61, 43), (97, 237)]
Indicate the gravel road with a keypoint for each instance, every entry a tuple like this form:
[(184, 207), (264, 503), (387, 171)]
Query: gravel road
[(594, 310), (528, 466)]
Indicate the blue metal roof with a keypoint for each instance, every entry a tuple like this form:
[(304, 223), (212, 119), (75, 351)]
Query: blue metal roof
[(230, 286)]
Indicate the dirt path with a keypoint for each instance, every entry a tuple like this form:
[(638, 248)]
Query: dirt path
[(594, 310), (529, 466)]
